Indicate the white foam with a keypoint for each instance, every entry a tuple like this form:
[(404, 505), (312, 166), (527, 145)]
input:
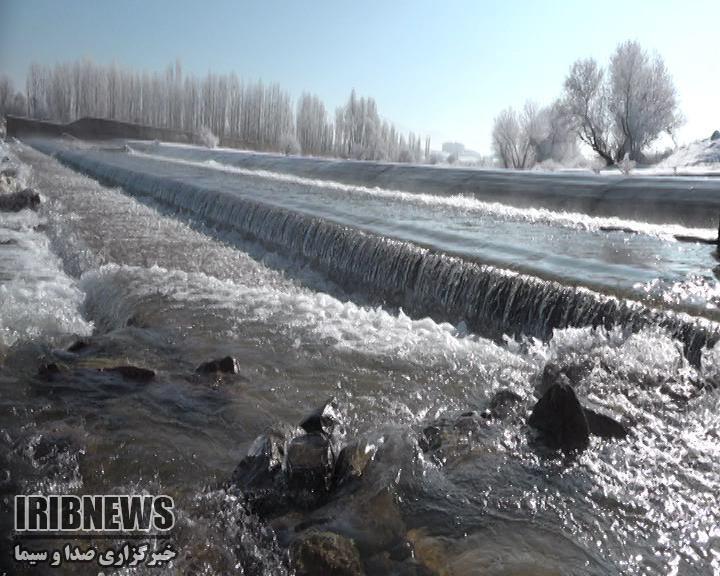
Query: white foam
[(37, 299), (304, 316)]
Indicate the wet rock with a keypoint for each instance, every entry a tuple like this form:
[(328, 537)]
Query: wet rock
[(572, 373), (560, 419), (262, 463), (259, 476), (227, 365), (452, 432), (315, 553), (352, 462), (715, 135), (681, 390), (132, 372), (8, 172), (17, 201), (372, 517), (323, 419), (9, 242), (503, 403), (431, 438), (551, 374), (78, 346), (466, 425), (49, 370), (604, 426), (49, 446), (432, 553), (309, 462)]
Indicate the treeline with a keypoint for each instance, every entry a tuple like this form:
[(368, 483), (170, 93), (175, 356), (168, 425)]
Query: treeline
[(238, 113)]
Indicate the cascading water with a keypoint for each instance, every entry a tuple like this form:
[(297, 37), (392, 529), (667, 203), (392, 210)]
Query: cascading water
[(424, 282)]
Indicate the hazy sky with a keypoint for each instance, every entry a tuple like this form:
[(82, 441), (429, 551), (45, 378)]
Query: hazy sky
[(443, 68)]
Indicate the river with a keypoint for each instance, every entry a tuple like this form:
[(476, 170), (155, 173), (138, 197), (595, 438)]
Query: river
[(406, 305)]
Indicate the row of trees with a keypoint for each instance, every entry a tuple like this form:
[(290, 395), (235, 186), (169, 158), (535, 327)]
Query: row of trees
[(617, 112), (244, 114)]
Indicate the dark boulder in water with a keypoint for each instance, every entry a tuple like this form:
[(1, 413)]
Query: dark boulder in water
[(573, 373), (352, 462), (259, 477), (262, 463), (451, 435), (431, 438), (50, 445), (715, 135), (8, 172), (503, 403), (323, 419), (227, 365), (560, 419), (309, 462), (17, 201), (49, 370), (316, 552), (132, 372), (78, 346), (604, 426)]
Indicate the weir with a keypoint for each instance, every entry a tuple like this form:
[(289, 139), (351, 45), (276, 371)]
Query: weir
[(424, 282), (690, 201)]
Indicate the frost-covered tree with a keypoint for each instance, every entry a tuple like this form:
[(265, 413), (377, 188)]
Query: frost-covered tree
[(512, 137), (552, 136), (587, 106), (11, 102), (643, 99), (313, 127), (624, 110), (360, 133)]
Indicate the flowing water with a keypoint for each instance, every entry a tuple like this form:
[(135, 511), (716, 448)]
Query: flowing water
[(407, 308)]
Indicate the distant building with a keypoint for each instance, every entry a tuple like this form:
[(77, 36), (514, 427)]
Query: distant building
[(453, 148)]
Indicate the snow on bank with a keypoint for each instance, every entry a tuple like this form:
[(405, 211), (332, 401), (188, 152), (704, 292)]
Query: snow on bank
[(703, 153)]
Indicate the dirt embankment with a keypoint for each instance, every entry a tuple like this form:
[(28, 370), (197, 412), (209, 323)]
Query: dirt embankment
[(95, 129)]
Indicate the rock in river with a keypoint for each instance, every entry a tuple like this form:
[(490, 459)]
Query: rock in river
[(560, 418), (78, 346), (132, 372), (503, 403), (316, 552), (262, 463), (352, 462), (227, 365), (17, 201), (309, 463), (323, 419), (604, 426)]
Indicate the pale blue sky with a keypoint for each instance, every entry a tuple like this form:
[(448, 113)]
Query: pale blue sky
[(444, 68)]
